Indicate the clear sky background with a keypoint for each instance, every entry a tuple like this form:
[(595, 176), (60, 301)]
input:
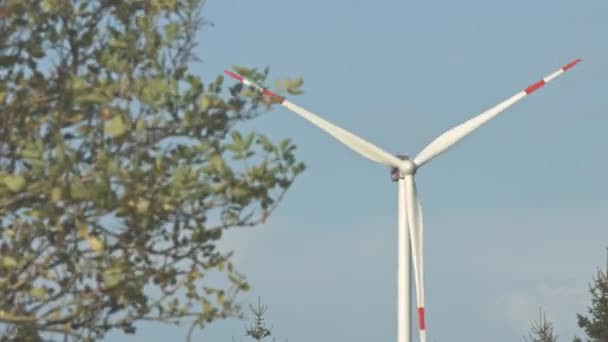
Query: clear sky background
[(516, 215)]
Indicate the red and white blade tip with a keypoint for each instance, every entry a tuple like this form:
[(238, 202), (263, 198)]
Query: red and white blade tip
[(571, 64), (252, 84), (535, 86), (233, 75), (421, 320)]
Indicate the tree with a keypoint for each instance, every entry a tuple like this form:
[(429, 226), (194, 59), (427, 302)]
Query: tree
[(258, 330), (596, 324), (541, 330), (120, 168)]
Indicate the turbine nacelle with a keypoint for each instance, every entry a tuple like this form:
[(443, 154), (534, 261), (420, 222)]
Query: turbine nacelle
[(406, 167)]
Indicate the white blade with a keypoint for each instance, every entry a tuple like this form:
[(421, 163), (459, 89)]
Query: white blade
[(414, 220), (354, 142), (454, 135), (420, 258)]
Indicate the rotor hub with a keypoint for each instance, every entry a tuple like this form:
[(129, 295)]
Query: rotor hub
[(408, 167)]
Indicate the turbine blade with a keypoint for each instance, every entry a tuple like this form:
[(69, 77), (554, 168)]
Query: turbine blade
[(420, 238), (349, 139), (414, 220), (354, 142), (454, 135)]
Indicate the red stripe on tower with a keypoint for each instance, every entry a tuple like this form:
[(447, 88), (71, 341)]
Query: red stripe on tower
[(534, 87), (421, 322), (571, 64)]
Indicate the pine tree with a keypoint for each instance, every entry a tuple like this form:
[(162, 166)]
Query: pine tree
[(258, 329), (541, 330), (595, 325)]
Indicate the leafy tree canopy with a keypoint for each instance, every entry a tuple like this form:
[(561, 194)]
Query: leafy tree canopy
[(120, 168)]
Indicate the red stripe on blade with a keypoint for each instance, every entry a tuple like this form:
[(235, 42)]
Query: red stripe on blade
[(233, 75), (421, 322), (259, 88), (535, 86), (571, 64), (271, 94)]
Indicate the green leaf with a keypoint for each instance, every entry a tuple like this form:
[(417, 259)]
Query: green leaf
[(232, 147), (238, 140), (90, 98), (15, 183), (95, 244), (243, 70), (294, 91), (158, 164), (113, 166), (154, 90), (239, 192), (38, 293), (217, 162), (78, 83), (284, 145), (215, 86), (9, 262), (143, 205), (248, 140), (207, 308), (83, 229), (78, 190), (56, 194), (266, 144), (115, 127), (7, 61), (140, 125), (47, 5), (141, 23), (205, 102), (171, 31), (297, 83), (112, 276), (119, 43)]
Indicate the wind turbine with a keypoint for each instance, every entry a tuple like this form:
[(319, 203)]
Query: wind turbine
[(404, 170)]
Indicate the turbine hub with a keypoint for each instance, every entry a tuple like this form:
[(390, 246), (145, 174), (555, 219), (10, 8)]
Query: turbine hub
[(406, 168)]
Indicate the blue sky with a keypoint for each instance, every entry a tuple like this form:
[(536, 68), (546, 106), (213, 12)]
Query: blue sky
[(516, 215)]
